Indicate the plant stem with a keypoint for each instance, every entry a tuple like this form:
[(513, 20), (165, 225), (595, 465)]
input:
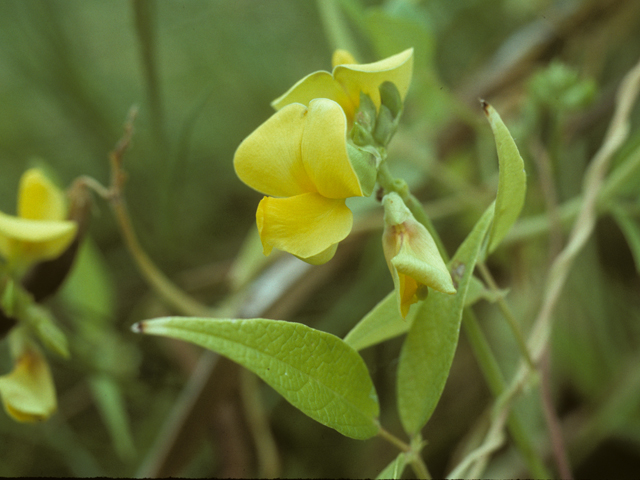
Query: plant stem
[(337, 33), (268, 460), (508, 315), (495, 380), (391, 184), (419, 467), (413, 454), (173, 295), (165, 288), (391, 438), (482, 350)]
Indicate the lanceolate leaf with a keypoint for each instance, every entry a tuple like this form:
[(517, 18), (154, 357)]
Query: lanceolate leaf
[(381, 323), (315, 371), (512, 180), (384, 322), (427, 353)]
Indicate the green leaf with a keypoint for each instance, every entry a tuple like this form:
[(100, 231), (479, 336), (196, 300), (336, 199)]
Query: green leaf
[(89, 289), (44, 326), (428, 350), (384, 321), (395, 468), (512, 180), (315, 371), (381, 323)]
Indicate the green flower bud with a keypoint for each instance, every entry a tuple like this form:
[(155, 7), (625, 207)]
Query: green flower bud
[(412, 255), (365, 162), (360, 135), (386, 126), (390, 98), (366, 113)]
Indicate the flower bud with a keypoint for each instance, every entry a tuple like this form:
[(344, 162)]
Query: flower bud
[(390, 98), (412, 255), (361, 136), (365, 161), (386, 126), (366, 113), (27, 392)]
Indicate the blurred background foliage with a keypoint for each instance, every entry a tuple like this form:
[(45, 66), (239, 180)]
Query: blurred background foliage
[(202, 75)]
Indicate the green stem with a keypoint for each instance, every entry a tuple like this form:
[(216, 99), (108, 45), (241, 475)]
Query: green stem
[(173, 295), (418, 465), (335, 28), (391, 438), (268, 460), (495, 380), (482, 350), (391, 184), (145, 24), (508, 315)]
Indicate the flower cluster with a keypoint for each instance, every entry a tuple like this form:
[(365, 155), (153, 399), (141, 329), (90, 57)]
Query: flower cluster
[(299, 156), (31, 246), (325, 144), (302, 160)]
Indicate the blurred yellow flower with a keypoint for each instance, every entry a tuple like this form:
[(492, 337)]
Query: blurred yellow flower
[(349, 79), (39, 231), (300, 154), (412, 255), (28, 393)]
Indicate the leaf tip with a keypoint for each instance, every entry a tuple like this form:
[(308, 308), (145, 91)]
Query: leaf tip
[(137, 327), (485, 106)]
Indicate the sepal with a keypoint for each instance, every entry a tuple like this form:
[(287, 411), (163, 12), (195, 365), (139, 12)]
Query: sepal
[(365, 161)]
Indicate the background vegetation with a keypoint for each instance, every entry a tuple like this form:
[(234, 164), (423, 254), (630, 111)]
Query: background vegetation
[(202, 75)]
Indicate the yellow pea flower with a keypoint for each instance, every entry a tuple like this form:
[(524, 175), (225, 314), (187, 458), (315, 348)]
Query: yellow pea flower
[(28, 393), (300, 155), (348, 79), (412, 255), (39, 231)]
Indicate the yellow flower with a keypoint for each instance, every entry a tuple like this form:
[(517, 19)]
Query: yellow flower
[(40, 231), (412, 255), (349, 79), (300, 154), (28, 393)]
